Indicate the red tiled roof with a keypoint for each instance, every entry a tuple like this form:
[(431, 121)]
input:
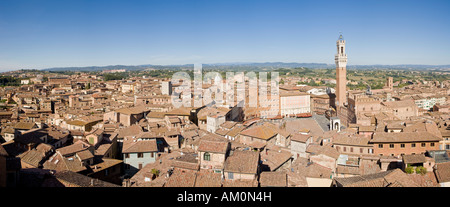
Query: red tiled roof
[(182, 178), (273, 179), (381, 137), (140, 146), (304, 115), (213, 146), (208, 178), (242, 162), (260, 132), (443, 172)]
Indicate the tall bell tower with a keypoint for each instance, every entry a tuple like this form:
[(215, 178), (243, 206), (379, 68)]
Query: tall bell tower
[(341, 72)]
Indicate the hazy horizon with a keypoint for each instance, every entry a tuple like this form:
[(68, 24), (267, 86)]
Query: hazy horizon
[(224, 63)]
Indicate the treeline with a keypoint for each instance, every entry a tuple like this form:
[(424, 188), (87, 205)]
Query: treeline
[(9, 81), (115, 76)]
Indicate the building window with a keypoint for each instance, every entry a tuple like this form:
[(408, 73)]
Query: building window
[(207, 156), (431, 144), (391, 145), (345, 149), (230, 176), (351, 149), (140, 155), (423, 145), (152, 154), (361, 150), (127, 155), (380, 146), (402, 145), (413, 145)]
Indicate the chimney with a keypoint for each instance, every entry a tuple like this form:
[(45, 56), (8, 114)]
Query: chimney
[(126, 183)]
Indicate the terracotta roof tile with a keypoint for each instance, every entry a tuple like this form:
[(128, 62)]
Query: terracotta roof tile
[(240, 183), (442, 171), (242, 162), (24, 125), (260, 132), (412, 159), (72, 179), (273, 179), (74, 148), (392, 178), (213, 146), (32, 157), (274, 158), (208, 178), (130, 131), (133, 110), (60, 163), (135, 146), (84, 155), (187, 161), (315, 149), (424, 127), (235, 131), (352, 140), (182, 178), (300, 138), (382, 137)]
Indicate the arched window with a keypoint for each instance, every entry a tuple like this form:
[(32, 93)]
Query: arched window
[(207, 156)]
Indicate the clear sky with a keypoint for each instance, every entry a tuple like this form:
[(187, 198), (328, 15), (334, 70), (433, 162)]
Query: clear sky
[(63, 33)]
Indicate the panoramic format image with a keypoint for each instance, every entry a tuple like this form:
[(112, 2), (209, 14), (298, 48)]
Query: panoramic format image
[(202, 93)]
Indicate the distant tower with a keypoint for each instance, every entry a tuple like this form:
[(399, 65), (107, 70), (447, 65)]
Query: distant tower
[(166, 88), (390, 83), (341, 72)]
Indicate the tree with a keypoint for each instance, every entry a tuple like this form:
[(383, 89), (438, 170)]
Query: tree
[(409, 170), (9, 81), (115, 76), (421, 170), (155, 172)]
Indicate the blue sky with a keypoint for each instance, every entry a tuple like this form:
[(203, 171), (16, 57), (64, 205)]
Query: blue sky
[(63, 33)]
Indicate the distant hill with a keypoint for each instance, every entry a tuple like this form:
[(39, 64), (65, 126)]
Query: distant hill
[(401, 67), (101, 68), (250, 66)]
